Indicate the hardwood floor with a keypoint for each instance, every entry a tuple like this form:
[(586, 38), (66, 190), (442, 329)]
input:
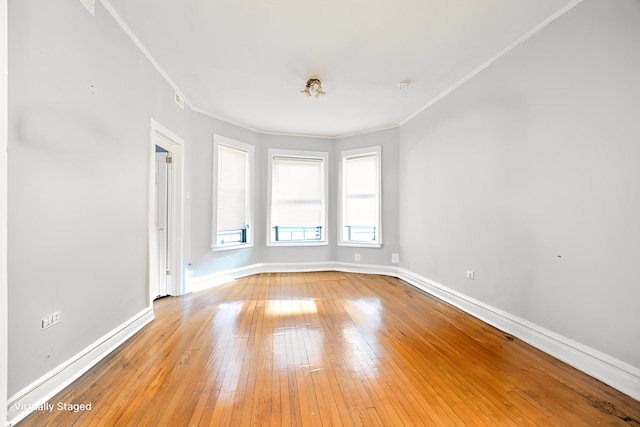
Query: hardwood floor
[(329, 349)]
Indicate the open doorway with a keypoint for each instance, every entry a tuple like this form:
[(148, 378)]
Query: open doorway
[(164, 174), (166, 208)]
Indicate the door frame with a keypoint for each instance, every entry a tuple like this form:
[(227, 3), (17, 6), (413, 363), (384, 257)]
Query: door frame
[(163, 137), (4, 136)]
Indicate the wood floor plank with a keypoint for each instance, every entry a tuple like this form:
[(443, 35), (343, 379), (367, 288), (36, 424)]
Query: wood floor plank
[(329, 349)]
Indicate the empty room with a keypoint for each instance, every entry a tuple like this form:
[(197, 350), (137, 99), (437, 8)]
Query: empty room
[(293, 213)]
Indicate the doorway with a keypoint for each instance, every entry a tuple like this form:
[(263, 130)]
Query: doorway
[(163, 172), (166, 208)]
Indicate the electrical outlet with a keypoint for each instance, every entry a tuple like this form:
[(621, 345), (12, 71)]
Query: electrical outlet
[(470, 275), (357, 257), (395, 258), (51, 320)]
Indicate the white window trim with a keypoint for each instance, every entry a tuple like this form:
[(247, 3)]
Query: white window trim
[(250, 150), (376, 150), (324, 156)]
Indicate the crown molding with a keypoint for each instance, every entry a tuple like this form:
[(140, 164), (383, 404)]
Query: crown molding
[(433, 101), (494, 58)]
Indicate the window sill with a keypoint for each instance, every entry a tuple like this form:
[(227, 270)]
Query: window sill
[(360, 245), (277, 244), (217, 248)]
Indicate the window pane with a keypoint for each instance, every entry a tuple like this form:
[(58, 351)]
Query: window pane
[(360, 188), (361, 175), (298, 179), (361, 211), (232, 189), (360, 199), (297, 192)]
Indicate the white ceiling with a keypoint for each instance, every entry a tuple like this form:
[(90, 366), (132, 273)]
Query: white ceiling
[(245, 61)]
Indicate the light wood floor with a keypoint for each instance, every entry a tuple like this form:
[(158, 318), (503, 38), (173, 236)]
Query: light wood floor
[(329, 349)]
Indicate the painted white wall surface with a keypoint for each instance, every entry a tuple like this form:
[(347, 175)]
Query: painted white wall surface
[(81, 95), (204, 261), (388, 139), (528, 175)]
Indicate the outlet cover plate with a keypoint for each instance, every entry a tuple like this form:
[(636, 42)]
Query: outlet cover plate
[(50, 320)]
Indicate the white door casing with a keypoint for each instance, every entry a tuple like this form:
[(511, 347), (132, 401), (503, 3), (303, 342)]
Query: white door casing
[(162, 137), (4, 113)]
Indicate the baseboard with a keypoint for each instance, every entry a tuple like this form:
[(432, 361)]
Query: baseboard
[(383, 270), (611, 371), (199, 283), (216, 279), (329, 266), (47, 386), (617, 374)]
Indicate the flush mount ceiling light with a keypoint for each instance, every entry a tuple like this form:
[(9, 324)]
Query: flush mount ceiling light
[(314, 86)]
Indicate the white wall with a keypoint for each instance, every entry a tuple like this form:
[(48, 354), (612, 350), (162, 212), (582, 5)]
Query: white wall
[(203, 261), (81, 95), (388, 139), (528, 174)]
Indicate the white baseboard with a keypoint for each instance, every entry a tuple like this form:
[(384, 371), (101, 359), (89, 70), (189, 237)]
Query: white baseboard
[(211, 280), (617, 374), (215, 279), (44, 388), (383, 270), (611, 371), (329, 266)]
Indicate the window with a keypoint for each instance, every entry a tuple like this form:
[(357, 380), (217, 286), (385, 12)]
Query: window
[(360, 183), (297, 198), (232, 193)]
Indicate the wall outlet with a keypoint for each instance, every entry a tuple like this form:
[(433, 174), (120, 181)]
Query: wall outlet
[(395, 258), (470, 274), (357, 257), (51, 320)]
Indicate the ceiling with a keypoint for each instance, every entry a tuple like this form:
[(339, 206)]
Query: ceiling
[(245, 61)]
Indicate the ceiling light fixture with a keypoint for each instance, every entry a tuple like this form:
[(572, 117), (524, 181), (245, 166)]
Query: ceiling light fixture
[(314, 85)]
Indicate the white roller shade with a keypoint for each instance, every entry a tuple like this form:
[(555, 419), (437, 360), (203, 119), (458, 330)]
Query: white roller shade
[(360, 186), (298, 192), (232, 188)]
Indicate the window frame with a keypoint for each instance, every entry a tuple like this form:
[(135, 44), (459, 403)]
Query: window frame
[(300, 154), (219, 140), (342, 194)]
